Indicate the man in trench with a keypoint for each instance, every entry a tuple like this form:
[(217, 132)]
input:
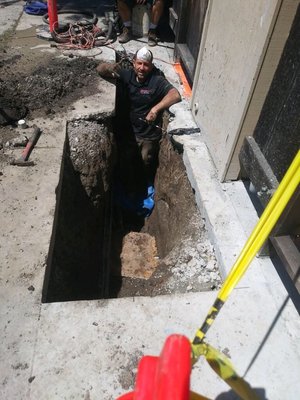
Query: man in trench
[(147, 93)]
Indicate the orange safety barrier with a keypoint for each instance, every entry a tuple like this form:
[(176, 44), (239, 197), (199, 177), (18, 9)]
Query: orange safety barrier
[(187, 90), (166, 377)]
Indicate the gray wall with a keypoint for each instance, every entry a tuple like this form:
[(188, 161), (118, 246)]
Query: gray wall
[(235, 42)]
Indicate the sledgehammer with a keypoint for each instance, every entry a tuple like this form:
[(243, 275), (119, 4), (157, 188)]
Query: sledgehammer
[(23, 160)]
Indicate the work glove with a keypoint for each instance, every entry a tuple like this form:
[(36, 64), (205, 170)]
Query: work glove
[(109, 70)]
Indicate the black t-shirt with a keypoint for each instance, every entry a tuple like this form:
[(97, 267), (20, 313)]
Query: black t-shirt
[(143, 96)]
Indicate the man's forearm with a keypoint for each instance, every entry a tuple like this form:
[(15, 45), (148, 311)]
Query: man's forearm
[(172, 97), (109, 70)]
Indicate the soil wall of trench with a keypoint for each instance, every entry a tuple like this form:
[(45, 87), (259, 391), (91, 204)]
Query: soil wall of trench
[(82, 255), (77, 261)]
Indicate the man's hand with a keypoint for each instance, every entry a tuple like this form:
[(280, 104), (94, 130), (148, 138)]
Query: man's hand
[(109, 70), (151, 116), (170, 98)]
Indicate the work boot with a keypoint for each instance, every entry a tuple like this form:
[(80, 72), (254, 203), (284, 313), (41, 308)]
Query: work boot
[(152, 37), (126, 35)]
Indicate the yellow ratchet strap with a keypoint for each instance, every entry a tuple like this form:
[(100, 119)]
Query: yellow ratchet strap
[(196, 396), (224, 368), (217, 360), (257, 238)]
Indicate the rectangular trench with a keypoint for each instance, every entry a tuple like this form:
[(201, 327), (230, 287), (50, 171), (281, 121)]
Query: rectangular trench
[(95, 241)]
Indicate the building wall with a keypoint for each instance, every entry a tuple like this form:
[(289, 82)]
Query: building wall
[(235, 40)]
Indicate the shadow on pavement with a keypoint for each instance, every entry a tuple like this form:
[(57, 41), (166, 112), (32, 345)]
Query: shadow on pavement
[(232, 396)]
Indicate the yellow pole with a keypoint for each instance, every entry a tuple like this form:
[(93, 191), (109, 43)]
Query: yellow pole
[(257, 238), (264, 226)]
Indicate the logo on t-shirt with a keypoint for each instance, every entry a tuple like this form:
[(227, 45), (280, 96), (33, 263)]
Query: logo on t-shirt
[(145, 91)]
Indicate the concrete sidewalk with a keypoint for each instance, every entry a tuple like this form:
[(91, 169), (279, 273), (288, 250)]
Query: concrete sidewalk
[(90, 349), (10, 12)]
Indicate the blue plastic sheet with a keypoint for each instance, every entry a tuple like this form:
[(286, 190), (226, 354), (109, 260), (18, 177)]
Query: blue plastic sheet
[(140, 205), (36, 8)]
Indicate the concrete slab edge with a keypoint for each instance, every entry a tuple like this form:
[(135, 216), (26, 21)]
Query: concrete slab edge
[(212, 202), (9, 16)]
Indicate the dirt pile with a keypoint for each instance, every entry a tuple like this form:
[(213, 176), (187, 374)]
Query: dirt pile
[(48, 89)]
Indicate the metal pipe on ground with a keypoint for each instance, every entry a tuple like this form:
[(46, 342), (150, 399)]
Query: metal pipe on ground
[(52, 12)]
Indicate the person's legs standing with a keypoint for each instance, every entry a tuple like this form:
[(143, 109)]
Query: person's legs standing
[(125, 12), (149, 151), (156, 13)]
